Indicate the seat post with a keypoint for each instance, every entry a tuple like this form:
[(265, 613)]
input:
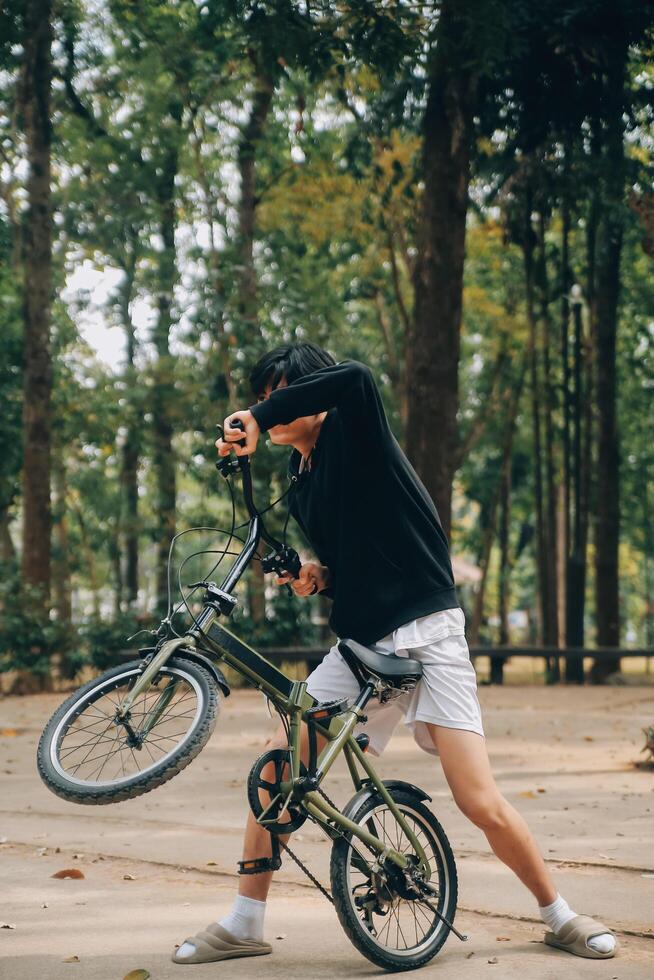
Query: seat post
[(365, 694)]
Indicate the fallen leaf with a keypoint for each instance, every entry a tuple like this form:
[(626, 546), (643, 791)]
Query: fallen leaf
[(137, 975), (471, 953), (9, 732), (129, 878), (588, 738), (71, 959), (541, 789), (502, 939), (528, 794), (211, 864), (68, 873), (493, 959), (282, 935), (7, 925)]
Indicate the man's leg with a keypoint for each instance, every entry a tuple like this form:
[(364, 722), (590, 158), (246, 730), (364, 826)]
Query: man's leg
[(245, 920), (467, 769)]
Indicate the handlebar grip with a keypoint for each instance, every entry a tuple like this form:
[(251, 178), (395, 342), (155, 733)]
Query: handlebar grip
[(237, 424), (294, 566)]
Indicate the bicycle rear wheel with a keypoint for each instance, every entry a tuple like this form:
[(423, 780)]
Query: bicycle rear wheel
[(87, 756), (391, 930)]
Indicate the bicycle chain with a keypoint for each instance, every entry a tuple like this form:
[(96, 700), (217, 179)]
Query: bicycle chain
[(312, 878)]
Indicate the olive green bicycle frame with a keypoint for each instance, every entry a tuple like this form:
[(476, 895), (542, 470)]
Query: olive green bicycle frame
[(289, 697), (293, 700)]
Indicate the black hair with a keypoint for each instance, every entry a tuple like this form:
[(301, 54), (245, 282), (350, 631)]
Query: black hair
[(290, 361)]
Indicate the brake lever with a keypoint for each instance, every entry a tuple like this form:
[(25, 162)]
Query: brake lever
[(227, 465), (284, 559)]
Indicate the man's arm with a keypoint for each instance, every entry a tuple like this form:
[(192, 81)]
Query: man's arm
[(349, 386)]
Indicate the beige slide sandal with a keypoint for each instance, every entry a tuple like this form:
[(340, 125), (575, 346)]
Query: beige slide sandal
[(215, 943), (574, 935)]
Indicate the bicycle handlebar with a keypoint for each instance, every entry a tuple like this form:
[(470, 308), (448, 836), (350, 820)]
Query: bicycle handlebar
[(283, 558)]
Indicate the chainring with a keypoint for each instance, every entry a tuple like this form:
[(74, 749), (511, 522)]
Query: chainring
[(294, 815)]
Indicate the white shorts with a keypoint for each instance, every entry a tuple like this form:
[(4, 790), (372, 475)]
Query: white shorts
[(445, 695)]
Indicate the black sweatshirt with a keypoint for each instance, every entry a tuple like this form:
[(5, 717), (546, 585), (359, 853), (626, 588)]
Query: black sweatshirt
[(362, 506)]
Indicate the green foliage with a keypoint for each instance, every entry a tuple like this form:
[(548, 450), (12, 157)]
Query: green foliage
[(337, 187), (104, 639), (288, 623), (28, 639)]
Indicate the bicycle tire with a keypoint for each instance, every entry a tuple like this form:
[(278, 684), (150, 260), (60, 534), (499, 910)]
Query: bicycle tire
[(100, 793), (350, 917)]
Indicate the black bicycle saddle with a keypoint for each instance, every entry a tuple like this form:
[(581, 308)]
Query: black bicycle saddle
[(388, 666)]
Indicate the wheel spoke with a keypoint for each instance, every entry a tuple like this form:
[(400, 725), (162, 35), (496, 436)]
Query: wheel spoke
[(401, 925), (93, 749)]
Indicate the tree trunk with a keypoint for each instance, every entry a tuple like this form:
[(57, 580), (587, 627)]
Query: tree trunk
[(395, 355), (434, 341), (247, 292), (219, 360), (648, 585), (163, 395), (89, 556), (550, 538), (484, 564), (489, 533), (130, 463), (247, 156), (132, 445), (35, 106), (609, 248), (579, 471), (497, 663), (62, 589), (543, 581)]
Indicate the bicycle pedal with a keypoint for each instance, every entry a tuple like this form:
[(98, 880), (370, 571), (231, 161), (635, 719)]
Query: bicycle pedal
[(327, 709)]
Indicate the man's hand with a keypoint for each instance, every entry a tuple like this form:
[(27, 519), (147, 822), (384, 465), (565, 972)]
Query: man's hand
[(313, 578), (231, 435)]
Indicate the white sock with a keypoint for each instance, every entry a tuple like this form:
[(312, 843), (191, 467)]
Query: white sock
[(245, 921), (559, 912)]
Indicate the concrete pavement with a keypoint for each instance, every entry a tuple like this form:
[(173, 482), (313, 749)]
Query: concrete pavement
[(162, 866)]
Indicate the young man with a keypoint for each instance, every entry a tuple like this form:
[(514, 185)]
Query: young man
[(383, 559)]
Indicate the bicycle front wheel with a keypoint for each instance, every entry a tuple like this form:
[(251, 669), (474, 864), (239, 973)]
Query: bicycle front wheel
[(86, 755), (389, 928)]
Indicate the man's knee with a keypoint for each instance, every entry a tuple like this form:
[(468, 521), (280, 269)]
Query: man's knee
[(278, 740), (487, 810)]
